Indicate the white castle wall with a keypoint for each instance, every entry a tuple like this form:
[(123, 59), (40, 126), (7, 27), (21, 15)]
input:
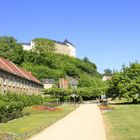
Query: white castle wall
[(67, 49)]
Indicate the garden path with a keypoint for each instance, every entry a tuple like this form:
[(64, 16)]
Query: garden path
[(85, 123)]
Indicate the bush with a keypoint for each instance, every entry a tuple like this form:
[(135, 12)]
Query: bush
[(85, 93), (126, 84), (8, 136), (11, 105)]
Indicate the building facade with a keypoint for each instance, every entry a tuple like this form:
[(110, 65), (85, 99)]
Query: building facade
[(28, 46), (63, 83), (48, 83), (106, 78), (65, 48), (16, 79)]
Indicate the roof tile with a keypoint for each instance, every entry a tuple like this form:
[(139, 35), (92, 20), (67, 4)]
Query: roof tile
[(12, 68)]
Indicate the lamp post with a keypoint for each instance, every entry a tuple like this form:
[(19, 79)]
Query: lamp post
[(73, 84), (74, 95)]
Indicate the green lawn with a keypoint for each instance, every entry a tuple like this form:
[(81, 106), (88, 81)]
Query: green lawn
[(31, 124), (123, 123)]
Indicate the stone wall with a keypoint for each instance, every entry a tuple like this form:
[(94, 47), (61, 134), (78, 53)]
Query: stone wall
[(65, 49)]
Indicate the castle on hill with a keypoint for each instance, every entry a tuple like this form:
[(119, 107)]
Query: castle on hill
[(65, 47)]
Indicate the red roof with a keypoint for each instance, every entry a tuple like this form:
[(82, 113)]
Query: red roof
[(13, 69)]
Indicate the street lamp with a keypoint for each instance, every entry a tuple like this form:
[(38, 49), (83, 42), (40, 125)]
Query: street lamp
[(73, 84), (74, 95)]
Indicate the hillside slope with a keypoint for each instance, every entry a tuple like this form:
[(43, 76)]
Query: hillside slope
[(56, 66), (47, 64)]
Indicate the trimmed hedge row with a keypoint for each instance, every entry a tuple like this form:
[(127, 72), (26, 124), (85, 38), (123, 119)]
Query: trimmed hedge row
[(86, 93)]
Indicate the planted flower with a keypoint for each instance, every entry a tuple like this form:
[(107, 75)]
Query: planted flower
[(46, 108)]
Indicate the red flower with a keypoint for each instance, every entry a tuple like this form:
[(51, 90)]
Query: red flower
[(46, 108)]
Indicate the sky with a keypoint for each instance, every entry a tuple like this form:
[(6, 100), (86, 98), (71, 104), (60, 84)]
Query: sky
[(105, 31)]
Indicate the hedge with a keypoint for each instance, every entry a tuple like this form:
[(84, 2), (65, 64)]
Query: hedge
[(87, 93), (11, 105)]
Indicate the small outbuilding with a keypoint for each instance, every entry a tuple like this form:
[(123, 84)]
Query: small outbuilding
[(48, 83)]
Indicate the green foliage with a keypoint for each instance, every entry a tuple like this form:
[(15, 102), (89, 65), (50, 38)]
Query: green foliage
[(43, 45), (10, 49), (108, 72), (86, 81), (27, 126), (85, 59), (72, 71), (85, 93), (87, 67), (41, 71), (126, 84), (11, 105), (43, 62), (56, 66)]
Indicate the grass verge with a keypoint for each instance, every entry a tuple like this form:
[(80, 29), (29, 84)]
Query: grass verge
[(36, 121), (123, 123)]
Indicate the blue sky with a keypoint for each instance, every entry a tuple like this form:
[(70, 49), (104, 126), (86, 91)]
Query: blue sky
[(106, 31)]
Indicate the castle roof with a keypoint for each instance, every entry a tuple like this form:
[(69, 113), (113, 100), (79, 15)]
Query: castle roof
[(26, 43), (10, 67), (65, 42)]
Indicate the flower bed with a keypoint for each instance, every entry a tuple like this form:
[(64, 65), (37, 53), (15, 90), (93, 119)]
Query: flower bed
[(46, 108), (105, 107)]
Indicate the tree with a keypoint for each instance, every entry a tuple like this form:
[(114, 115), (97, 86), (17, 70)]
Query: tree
[(72, 71), (108, 72), (94, 82), (44, 63), (85, 59), (6, 46), (10, 49), (126, 84), (17, 54), (43, 46)]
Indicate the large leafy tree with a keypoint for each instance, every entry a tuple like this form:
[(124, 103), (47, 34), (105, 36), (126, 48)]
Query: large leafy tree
[(43, 45), (108, 72), (126, 84), (11, 49)]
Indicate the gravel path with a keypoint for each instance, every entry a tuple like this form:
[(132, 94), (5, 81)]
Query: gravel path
[(85, 123)]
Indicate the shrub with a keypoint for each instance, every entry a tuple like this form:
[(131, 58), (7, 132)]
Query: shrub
[(85, 93), (11, 105), (8, 136)]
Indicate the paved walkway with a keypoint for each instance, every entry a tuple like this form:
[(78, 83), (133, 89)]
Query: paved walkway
[(85, 123)]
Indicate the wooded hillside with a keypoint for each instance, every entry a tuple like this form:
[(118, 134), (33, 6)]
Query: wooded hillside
[(47, 64)]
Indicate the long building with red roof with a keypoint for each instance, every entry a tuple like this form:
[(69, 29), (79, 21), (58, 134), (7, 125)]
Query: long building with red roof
[(16, 79)]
